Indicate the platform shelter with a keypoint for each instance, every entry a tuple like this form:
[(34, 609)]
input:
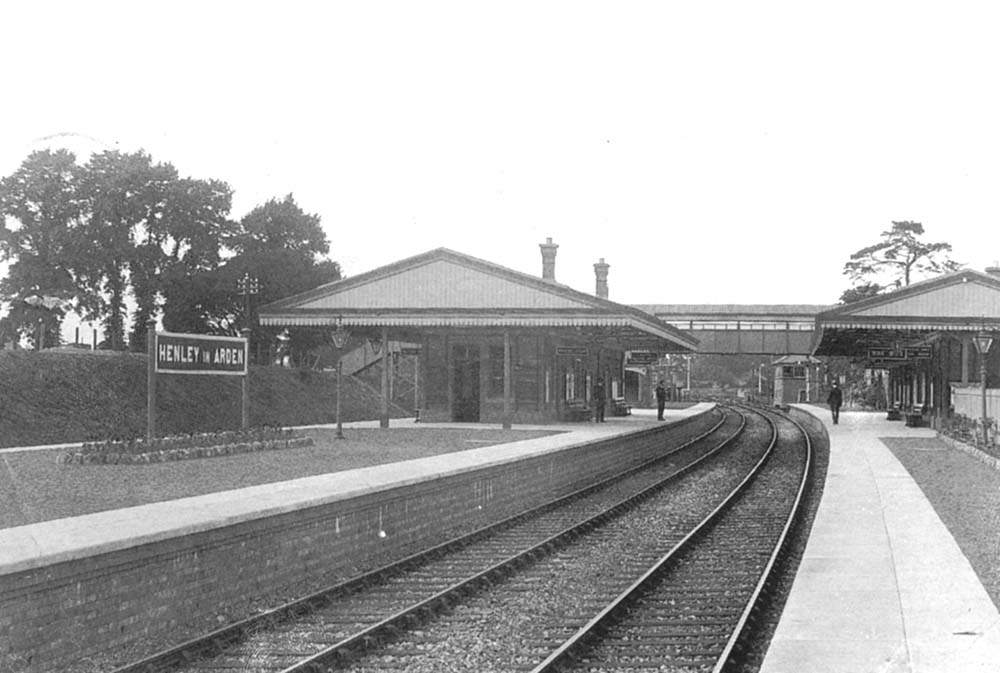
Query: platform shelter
[(925, 335), (495, 345)]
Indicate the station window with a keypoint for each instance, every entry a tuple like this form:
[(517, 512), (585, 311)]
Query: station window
[(575, 380), (793, 371)]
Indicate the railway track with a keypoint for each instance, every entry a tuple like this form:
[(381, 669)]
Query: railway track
[(383, 618), (688, 612)]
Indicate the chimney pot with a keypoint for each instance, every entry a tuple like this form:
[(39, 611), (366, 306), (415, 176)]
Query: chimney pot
[(601, 272), (548, 249)]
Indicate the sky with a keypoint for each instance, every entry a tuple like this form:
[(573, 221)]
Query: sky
[(710, 152)]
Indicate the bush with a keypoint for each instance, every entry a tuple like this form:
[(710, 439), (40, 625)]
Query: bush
[(54, 397), (969, 431), (180, 447)]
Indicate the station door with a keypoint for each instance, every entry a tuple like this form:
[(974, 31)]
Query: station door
[(465, 384)]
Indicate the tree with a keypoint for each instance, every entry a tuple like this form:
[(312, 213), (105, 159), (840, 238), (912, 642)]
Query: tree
[(123, 231), (40, 212), (144, 224), (277, 243), (860, 292), (182, 240), (898, 257), (280, 225)]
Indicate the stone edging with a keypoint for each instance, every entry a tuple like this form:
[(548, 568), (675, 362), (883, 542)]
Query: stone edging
[(981, 456), (171, 455)]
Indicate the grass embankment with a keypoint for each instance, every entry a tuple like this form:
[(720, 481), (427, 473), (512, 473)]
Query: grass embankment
[(56, 397), (35, 486)]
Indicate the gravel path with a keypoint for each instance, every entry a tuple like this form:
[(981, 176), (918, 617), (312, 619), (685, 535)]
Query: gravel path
[(965, 493), (34, 487)]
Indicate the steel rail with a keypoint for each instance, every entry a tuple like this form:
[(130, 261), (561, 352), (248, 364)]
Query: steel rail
[(580, 639), (216, 641), (772, 561), (372, 633)]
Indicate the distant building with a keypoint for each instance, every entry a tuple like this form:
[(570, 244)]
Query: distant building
[(796, 379)]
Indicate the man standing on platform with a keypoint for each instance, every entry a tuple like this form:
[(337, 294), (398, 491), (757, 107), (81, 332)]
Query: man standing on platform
[(599, 401), (835, 399), (661, 399)]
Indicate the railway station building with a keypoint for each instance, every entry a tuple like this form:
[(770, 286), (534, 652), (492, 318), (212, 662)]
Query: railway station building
[(495, 345), (936, 339)]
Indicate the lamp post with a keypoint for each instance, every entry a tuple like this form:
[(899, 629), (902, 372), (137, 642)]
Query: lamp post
[(983, 342), (340, 337), (247, 286)]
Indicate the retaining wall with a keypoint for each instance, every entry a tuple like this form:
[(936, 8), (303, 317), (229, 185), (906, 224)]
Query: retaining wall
[(806, 417), (156, 592)]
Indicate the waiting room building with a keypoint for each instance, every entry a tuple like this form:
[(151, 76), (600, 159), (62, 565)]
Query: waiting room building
[(496, 345)]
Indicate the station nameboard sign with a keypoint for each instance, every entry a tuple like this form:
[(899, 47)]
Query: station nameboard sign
[(900, 354), (643, 357), (572, 351), (200, 354)]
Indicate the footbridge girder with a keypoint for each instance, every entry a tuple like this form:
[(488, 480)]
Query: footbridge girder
[(744, 329)]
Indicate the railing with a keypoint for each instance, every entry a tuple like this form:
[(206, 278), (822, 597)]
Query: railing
[(967, 399)]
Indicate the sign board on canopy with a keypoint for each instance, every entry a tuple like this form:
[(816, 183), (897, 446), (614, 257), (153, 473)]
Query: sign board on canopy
[(887, 355), (643, 357)]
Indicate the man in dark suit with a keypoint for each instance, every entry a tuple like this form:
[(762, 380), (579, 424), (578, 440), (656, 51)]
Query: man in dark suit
[(835, 399), (600, 398)]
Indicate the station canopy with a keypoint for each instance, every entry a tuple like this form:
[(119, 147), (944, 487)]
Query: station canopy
[(956, 304), (444, 289)]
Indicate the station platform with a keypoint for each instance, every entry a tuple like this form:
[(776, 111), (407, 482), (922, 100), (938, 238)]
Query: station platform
[(883, 587), (147, 576), (74, 538)]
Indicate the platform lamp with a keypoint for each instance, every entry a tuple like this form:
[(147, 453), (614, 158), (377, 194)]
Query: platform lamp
[(284, 341), (340, 337), (983, 342)]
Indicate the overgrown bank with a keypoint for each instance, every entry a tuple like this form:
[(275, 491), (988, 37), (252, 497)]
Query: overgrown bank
[(52, 397)]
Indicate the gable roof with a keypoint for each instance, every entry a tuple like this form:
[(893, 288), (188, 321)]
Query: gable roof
[(963, 301), (447, 288)]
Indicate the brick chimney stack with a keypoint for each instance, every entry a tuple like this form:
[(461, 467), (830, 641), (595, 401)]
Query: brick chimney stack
[(548, 259), (994, 270), (601, 271)]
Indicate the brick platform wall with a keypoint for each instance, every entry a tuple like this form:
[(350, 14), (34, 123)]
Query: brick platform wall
[(154, 593)]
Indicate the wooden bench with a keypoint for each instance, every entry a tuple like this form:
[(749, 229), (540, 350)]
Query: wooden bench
[(575, 411), (620, 408)]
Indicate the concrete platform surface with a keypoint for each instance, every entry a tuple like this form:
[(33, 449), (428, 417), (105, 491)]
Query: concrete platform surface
[(883, 587), (41, 544)]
